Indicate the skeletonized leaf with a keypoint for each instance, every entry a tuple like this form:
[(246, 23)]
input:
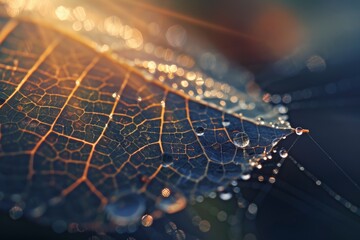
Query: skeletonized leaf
[(87, 139)]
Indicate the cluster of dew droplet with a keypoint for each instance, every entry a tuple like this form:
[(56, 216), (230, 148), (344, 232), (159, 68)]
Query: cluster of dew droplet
[(198, 85), (242, 140)]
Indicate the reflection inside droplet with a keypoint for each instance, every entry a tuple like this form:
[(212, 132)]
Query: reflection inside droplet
[(283, 153), (299, 131), (200, 131), (241, 140), (225, 196)]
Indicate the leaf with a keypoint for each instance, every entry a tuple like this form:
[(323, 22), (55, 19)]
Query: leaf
[(87, 139)]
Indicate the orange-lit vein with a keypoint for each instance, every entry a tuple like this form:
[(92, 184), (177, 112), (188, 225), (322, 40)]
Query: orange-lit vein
[(37, 64), (78, 82), (163, 107), (86, 170)]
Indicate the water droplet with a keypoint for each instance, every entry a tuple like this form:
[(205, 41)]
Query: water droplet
[(252, 208), (245, 177), (126, 210), (226, 123), (272, 180), (241, 140), (299, 131), (204, 226), (200, 131), (225, 196), (260, 120), (172, 204), (283, 153), (16, 212), (147, 220), (167, 160), (234, 183)]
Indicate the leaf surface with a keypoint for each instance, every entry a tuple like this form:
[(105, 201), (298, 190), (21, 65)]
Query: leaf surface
[(83, 137)]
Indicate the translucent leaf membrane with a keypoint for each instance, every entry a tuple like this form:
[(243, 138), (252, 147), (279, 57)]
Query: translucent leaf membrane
[(101, 138)]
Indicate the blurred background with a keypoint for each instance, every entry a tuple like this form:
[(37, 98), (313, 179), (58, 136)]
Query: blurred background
[(308, 51)]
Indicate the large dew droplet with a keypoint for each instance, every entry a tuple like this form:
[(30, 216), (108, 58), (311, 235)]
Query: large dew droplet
[(126, 210), (241, 140)]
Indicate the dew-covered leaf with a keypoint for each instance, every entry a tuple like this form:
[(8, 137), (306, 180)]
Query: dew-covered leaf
[(89, 139)]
